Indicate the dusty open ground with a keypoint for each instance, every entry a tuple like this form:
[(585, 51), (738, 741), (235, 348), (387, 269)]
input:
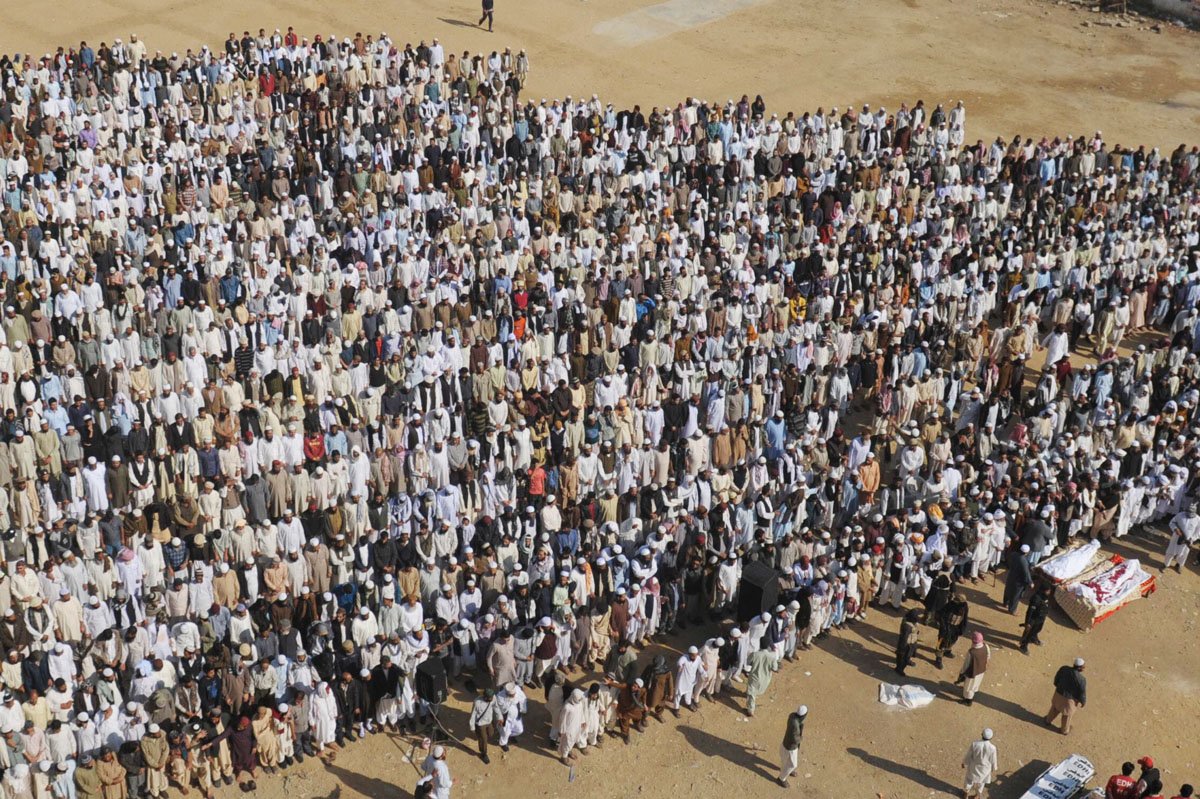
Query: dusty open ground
[(1020, 65)]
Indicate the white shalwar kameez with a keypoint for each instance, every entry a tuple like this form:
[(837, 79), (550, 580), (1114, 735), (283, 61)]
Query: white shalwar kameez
[(689, 675), (511, 704), (323, 716)]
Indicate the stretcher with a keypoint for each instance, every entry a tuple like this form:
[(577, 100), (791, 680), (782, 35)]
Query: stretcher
[(1090, 597), (1066, 779)]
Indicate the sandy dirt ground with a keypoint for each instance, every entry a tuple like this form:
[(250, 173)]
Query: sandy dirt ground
[(1028, 66), (1021, 66)]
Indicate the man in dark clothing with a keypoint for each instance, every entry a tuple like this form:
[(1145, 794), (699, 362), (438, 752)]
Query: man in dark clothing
[(1036, 533), (660, 687), (385, 678), (488, 7), (693, 592), (1035, 617), (348, 695), (130, 757), (909, 640), (1070, 693), (1149, 777), (951, 622), (727, 658), (789, 750), (939, 592), (1020, 577)]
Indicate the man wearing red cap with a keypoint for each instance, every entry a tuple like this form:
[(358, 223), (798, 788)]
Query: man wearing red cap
[(1149, 777)]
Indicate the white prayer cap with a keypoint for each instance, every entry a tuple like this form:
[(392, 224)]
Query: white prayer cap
[(802, 710), (987, 734), (1079, 663)]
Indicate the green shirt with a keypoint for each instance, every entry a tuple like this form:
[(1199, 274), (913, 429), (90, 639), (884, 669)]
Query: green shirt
[(760, 668)]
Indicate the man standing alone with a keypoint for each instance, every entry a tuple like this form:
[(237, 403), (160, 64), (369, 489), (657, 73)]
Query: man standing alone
[(1070, 693), (760, 667), (1020, 577), (789, 750), (974, 666), (488, 7), (980, 763)]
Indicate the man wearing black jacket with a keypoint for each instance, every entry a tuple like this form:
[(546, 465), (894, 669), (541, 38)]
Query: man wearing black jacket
[(1020, 577), (348, 695), (131, 759), (1070, 694), (1035, 617), (385, 679), (790, 748)]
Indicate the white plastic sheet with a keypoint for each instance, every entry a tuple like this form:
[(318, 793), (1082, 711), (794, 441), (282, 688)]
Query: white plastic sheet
[(1070, 564), (905, 696)]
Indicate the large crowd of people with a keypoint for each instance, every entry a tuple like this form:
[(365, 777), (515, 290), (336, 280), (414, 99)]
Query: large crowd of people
[(323, 357)]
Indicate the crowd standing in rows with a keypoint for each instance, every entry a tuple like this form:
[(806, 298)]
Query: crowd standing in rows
[(325, 356)]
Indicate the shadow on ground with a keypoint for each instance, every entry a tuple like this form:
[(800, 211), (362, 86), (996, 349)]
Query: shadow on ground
[(910, 773), (361, 783), (745, 757), (1015, 784)]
